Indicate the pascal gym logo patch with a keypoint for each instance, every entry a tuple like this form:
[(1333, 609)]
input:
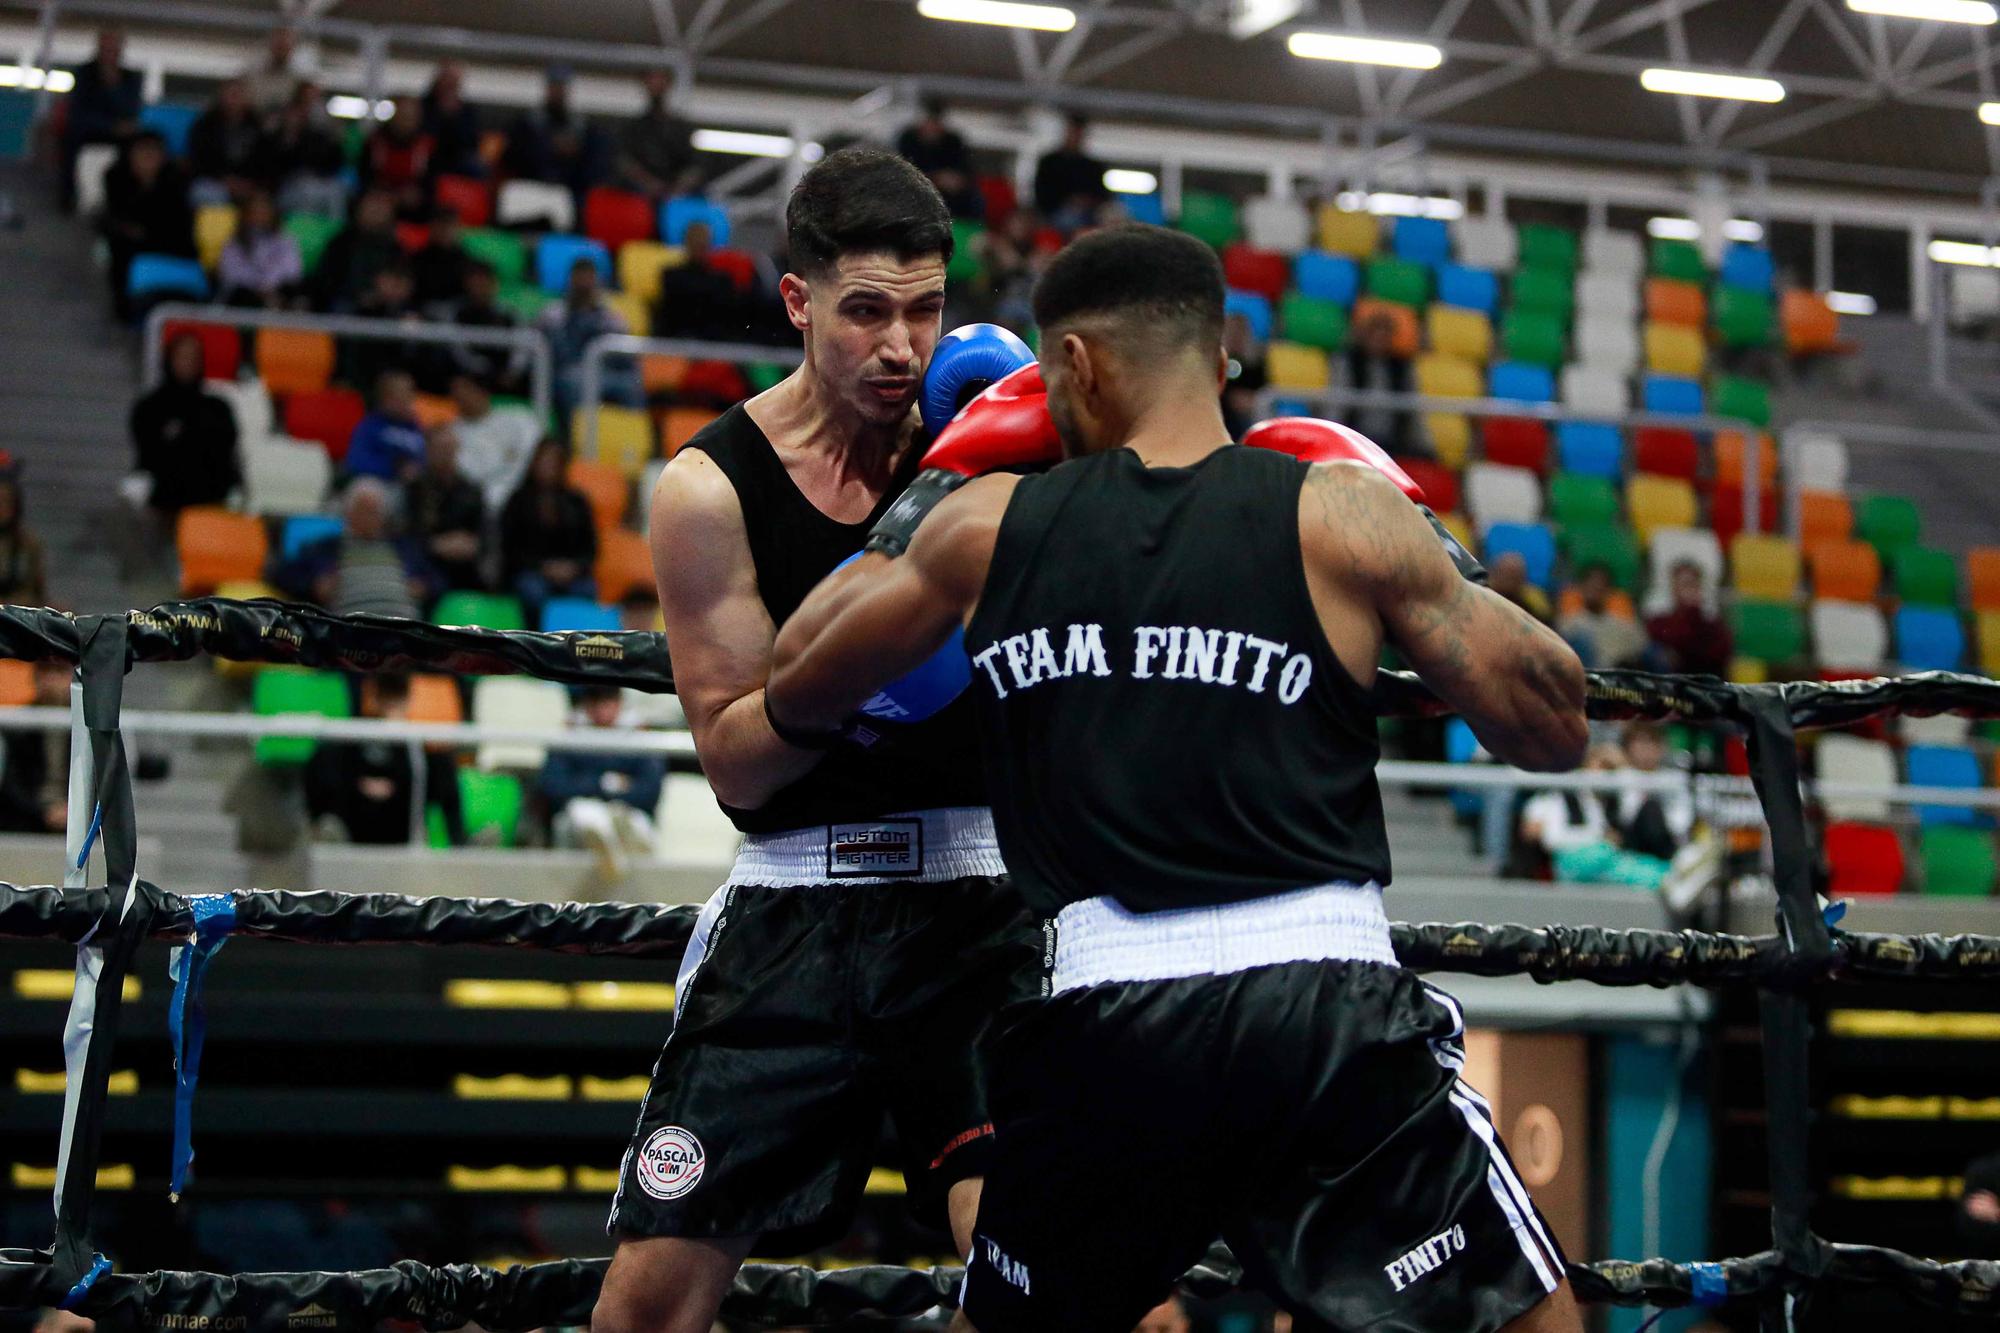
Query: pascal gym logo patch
[(670, 1163)]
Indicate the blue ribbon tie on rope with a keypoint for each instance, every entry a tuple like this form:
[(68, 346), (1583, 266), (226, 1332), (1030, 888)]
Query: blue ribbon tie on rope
[(187, 1017)]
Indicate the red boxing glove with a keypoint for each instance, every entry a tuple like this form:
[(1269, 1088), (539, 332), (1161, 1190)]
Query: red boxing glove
[(1007, 426)]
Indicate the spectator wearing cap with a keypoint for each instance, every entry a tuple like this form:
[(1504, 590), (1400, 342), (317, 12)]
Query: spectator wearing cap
[(656, 147), (184, 437), (1649, 822), (1069, 182), (365, 792), (1688, 637), (146, 211), (553, 142), (452, 123), (102, 107), (260, 266), (548, 538), (387, 443), (443, 509), (603, 800), (933, 147), (223, 144)]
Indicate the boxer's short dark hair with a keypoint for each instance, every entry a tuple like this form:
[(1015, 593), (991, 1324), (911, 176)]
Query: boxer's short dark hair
[(864, 200), (1168, 279)]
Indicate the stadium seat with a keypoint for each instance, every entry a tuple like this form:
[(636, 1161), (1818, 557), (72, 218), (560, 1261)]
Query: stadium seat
[(1589, 389), (1925, 576), (1676, 259), (1343, 232), (1952, 766), (1295, 366), (1327, 276), (1672, 302), (17, 684), (624, 563), (1725, 511), (624, 438), (1659, 502), (1730, 448), (717, 382), (1611, 544), (1988, 625), (1148, 208), (412, 236), (1450, 436), (1535, 543), (968, 257), (1943, 729), (1957, 862), (616, 217), (93, 163), (1266, 272), (435, 698), (485, 610), (294, 361), (1516, 442), (578, 613), (524, 301), (1469, 288), (470, 198), (1743, 318), (1667, 547), (221, 345), (214, 224), (1459, 332), (303, 530), (1608, 344), (1928, 639), (523, 203), (1533, 336), (1745, 399), (1546, 247), (1283, 225), (1613, 252), (1824, 517), (631, 309), (1550, 291), (1312, 320), (1862, 859), (1521, 382), (1849, 635), (250, 403), (1439, 483), (1666, 452), (1421, 240), (1401, 281), (172, 121), (328, 416), (1575, 498), (678, 425), (312, 234), (1460, 527), (556, 255), (1845, 571), (518, 704), (1590, 448), (1404, 337), (1611, 295), (489, 805), (287, 691), (1810, 324), (1747, 266), (1489, 243), (607, 488), (284, 476), (1255, 308), (1441, 375), (216, 546), (1982, 575), (1764, 567), (1888, 523), (1498, 494), (640, 264), (1209, 217), (1842, 758), (1675, 349), (1672, 395), (503, 251), (164, 277)]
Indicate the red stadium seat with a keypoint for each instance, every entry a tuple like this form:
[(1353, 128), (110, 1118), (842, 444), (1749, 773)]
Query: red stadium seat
[(412, 236), (471, 199), (1265, 272), (221, 346), (741, 268), (1439, 482), (1516, 442), (326, 415), (715, 382), (1725, 512), (1001, 201), (617, 216), (1863, 858), (1666, 452), (1048, 240)]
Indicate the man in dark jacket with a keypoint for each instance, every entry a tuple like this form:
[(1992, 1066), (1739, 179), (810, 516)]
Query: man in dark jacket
[(446, 512), (367, 789), (146, 211), (184, 437), (225, 145), (1069, 182), (357, 253), (103, 107)]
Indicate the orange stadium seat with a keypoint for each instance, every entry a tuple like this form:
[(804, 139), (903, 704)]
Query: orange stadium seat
[(1846, 571), (217, 546), (679, 424), (608, 490), (435, 698), (1982, 577), (1404, 339), (624, 563), (221, 345), (435, 409), (17, 683), (662, 374), (1730, 448), (1671, 302), (1824, 516), (294, 360), (1809, 322)]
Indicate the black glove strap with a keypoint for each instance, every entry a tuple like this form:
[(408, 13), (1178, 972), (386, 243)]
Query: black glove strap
[(799, 737), (1468, 563), (892, 532)]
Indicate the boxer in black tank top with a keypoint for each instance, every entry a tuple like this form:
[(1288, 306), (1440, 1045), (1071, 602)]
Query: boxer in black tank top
[(1172, 639), (847, 971)]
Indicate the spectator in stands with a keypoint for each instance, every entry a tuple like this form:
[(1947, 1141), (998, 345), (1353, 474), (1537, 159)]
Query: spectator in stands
[(445, 510), (365, 569), (500, 369), (1013, 263), (554, 142), (697, 300), (933, 147), (548, 537), (1651, 823), (441, 264), (1507, 574), (1688, 637), (603, 800), (34, 764), (570, 326), (452, 123), (388, 444), (398, 157), (357, 253), (391, 296), (1246, 375), (260, 266), (300, 157), (365, 792), (103, 107), (1576, 831), (145, 211), (272, 83), (1069, 182), (1375, 363), (23, 561), (1602, 628), (656, 147), (495, 444), (223, 146), (184, 437), (1979, 1209)]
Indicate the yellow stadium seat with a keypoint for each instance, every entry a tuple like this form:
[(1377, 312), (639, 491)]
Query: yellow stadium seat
[(1346, 233), (214, 224), (1659, 502), (634, 309), (1748, 671), (1442, 375), (1297, 366), (1765, 568), (241, 590), (1674, 349), (1462, 333), (1451, 438), (1989, 642), (640, 264), (1459, 526), (624, 438)]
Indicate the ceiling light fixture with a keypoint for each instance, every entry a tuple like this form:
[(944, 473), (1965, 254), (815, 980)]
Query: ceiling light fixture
[(1850, 303), (1254, 18), (1941, 11), (1364, 50), (1962, 252), (1701, 83), (744, 143), (29, 76), (1002, 13), (1122, 180)]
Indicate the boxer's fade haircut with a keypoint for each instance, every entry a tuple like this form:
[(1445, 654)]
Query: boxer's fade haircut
[(864, 200), (1163, 284)]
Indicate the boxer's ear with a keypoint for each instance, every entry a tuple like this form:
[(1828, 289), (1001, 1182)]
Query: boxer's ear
[(797, 295), (1086, 371)]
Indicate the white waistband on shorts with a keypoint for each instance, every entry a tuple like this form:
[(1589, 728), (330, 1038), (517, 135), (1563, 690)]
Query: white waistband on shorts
[(1099, 943), (919, 847)]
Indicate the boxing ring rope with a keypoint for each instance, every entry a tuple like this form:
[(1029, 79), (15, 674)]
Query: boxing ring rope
[(106, 924)]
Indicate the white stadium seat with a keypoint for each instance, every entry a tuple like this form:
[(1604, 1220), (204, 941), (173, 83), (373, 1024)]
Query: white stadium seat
[(284, 476), (1849, 636), (1603, 295), (693, 829), (1277, 224), (1496, 493), (1487, 243), (1816, 461), (649, 481), (250, 403), (1608, 251), (92, 162), (1852, 759), (1668, 548), (1975, 293), (535, 201), (1594, 389), (519, 704), (1609, 343), (1943, 729)]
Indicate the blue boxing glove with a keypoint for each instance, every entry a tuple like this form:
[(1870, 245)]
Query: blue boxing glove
[(967, 361), (928, 687)]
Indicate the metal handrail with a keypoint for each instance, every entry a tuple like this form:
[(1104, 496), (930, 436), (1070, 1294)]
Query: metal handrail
[(590, 394)]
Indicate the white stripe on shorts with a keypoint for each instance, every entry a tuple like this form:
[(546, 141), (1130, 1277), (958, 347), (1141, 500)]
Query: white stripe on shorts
[(1509, 1193)]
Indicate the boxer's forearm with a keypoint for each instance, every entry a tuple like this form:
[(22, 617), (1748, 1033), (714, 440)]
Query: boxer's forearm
[(860, 629)]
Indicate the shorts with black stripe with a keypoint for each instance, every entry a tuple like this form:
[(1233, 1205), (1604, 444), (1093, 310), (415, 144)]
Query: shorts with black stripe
[(1309, 1113)]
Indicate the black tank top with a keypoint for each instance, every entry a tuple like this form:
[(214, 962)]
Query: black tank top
[(929, 765), (1163, 718)]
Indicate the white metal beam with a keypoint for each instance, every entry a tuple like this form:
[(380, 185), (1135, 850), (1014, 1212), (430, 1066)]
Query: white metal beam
[(667, 22), (742, 21), (1761, 59)]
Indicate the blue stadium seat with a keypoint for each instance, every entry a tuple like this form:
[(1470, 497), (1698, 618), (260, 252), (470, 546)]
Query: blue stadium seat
[(162, 276), (1145, 208), (1535, 543), (1470, 288), (171, 121), (578, 613), (1425, 240), (1292, 407), (1521, 381), (1929, 639), (1944, 766), (1590, 448), (555, 254), (1329, 277), (1748, 266), (677, 214), (1254, 307), (1673, 393), (302, 530), (1460, 746)]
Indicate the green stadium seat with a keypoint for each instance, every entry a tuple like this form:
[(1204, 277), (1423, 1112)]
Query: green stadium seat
[(1399, 281), (1546, 247), (487, 801), (763, 375), (1888, 523), (485, 609), (505, 251), (968, 260), (313, 234), (287, 690), (1575, 499), (1768, 631), (1312, 320), (1958, 862), (1533, 336), (1742, 317), (1612, 545), (1552, 291), (524, 299), (1925, 575), (1210, 217), (1735, 396), (1679, 260)]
